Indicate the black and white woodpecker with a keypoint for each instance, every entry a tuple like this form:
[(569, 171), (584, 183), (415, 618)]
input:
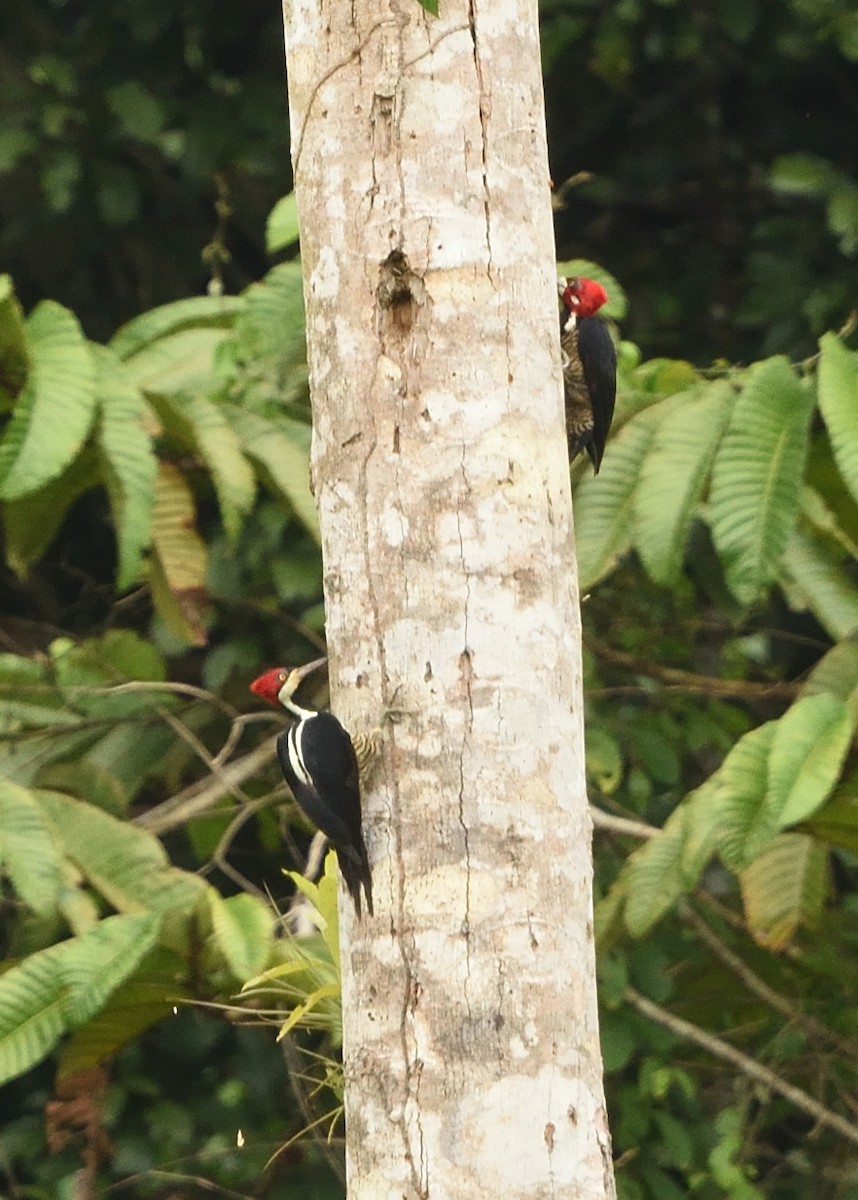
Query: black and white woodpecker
[(589, 367), (321, 766)]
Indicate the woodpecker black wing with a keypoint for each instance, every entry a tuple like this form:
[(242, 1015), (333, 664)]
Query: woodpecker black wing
[(319, 763), (589, 383), (599, 363)]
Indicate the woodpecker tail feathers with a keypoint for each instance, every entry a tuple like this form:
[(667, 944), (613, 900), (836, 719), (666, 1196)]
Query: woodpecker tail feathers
[(354, 868)]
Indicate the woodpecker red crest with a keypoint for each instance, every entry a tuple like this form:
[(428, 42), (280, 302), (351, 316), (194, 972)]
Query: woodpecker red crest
[(589, 367)]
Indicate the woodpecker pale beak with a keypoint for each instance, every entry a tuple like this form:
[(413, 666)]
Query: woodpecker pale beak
[(293, 681), (301, 673)]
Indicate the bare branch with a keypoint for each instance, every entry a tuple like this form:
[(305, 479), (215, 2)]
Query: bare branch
[(689, 681), (614, 824), (816, 1029), (748, 1066), (206, 793)]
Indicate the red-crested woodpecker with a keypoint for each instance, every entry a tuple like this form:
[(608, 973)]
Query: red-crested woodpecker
[(320, 765), (589, 367)]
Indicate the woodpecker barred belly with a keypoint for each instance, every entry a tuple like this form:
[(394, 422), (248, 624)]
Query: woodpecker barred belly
[(321, 767), (589, 368)]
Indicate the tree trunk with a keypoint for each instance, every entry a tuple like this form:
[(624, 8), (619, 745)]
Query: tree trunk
[(472, 1053)]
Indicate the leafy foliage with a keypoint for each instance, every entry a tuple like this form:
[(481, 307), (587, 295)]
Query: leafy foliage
[(307, 983), (172, 396)]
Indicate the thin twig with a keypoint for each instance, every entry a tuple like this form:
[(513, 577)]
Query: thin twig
[(145, 685), (744, 1063), (312, 1122), (706, 685), (759, 988), (636, 829), (219, 859), (205, 794), (205, 1185)]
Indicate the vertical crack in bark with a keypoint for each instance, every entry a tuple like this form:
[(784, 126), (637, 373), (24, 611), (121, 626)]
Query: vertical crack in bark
[(466, 672), (500, 1020), (550, 1128), (485, 106), (417, 1169)]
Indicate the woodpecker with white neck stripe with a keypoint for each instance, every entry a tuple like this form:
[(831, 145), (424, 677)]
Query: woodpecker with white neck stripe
[(589, 367), (320, 764)]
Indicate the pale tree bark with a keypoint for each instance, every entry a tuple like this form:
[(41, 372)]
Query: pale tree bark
[(472, 1052)]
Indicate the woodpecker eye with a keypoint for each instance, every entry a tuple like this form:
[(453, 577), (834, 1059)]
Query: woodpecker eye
[(281, 678)]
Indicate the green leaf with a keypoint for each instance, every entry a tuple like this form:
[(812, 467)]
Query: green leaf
[(28, 852), (15, 144), (754, 495), (837, 673), (87, 780), (843, 217), (819, 516), (838, 401), (214, 312), (14, 351), (282, 449), (55, 410), (133, 752), (281, 230), (431, 6), (301, 1012), (801, 175), (32, 522), (785, 888), (84, 669), (653, 876), (323, 898), (147, 996), (206, 426), (178, 569), (731, 1176), (125, 865), (32, 1012), (814, 574), (604, 761), (244, 929), (604, 504), (28, 698), (837, 821), (53, 990), (675, 1140), (673, 478), (93, 965), (178, 362), (806, 757), (60, 177), (746, 825), (271, 325), (128, 463), (141, 114)]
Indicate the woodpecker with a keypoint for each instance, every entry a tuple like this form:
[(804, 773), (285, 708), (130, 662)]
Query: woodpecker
[(321, 767), (589, 367)]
